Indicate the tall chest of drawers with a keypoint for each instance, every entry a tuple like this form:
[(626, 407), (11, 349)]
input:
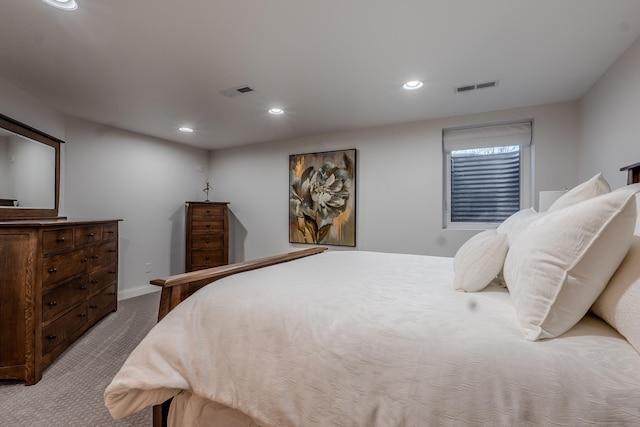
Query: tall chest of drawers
[(57, 279), (207, 235)]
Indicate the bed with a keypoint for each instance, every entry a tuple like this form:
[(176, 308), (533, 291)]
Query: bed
[(511, 331)]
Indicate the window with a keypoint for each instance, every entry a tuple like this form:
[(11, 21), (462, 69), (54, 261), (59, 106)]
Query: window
[(487, 174)]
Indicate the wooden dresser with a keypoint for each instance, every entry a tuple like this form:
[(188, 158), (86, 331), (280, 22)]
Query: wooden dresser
[(207, 235), (57, 279)]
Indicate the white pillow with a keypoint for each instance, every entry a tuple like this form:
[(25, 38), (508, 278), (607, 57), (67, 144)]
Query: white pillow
[(479, 260), (619, 303), (517, 222), (595, 186), (559, 265)]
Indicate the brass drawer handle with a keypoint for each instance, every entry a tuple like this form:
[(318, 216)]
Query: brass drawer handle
[(53, 270), (90, 235), (94, 281), (82, 288), (82, 315), (207, 258), (110, 232), (207, 241), (112, 293), (112, 272), (93, 306), (112, 250), (52, 337), (85, 259), (53, 303), (95, 256), (60, 239)]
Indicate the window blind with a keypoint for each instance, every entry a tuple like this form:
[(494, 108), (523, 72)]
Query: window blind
[(485, 171)]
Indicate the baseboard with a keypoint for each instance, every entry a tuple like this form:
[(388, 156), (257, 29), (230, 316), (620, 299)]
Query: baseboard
[(136, 292)]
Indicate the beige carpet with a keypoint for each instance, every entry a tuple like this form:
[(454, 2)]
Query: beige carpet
[(71, 389)]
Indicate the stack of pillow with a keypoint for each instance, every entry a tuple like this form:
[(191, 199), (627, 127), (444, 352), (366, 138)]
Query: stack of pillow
[(582, 252)]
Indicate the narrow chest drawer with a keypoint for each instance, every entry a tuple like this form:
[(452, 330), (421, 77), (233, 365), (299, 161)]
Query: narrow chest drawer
[(208, 258), (54, 240), (100, 278), (211, 225), (64, 296), (85, 235), (102, 303), (212, 241), (60, 267), (208, 211), (57, 332)]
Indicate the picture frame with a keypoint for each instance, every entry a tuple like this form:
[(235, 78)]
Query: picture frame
[(322, 198)]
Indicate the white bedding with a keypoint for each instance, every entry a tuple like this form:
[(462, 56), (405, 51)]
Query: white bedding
[(373, 339)]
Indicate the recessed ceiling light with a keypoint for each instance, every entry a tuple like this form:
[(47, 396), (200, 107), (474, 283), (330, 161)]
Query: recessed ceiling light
[(412, 85), (185, 129), (62, 4), (276, 111)]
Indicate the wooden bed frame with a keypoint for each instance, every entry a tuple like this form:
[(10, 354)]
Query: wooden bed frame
[(176, 289)]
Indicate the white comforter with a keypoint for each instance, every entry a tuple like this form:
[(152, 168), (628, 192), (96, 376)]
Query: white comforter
[(373, 339)]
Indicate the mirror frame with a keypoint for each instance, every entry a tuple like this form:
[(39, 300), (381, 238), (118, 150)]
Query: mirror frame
[(39, 136)]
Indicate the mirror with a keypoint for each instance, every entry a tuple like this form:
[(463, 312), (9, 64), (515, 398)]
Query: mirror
[(29, 172)]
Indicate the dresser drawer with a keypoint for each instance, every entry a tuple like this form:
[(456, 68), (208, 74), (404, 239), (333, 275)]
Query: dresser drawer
[(207, 258), (54, 240), (102, 303), (203, 212), (85, 235), (63, 266), (110, 231), (59, 331), (63, 297), (100, 278), (104, 254), (211, 241)]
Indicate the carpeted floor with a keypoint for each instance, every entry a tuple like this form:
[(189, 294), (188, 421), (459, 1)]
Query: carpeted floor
[(71, 389)]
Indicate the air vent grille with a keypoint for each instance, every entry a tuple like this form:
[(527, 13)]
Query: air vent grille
[(467, 88), (238, 90)]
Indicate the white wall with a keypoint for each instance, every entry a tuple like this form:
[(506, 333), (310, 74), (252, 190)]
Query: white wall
[(111, 173), (610, 112), (399, 189)]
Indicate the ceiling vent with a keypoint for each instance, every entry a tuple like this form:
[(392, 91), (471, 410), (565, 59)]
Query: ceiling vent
[(238, 90), (468, 88)]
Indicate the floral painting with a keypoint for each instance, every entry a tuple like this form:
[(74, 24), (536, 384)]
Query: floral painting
[(322, 202)]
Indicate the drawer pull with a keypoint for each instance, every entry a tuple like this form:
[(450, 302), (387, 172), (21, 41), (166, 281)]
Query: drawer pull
[(207, 241), (112, 293), (207, 257), (53, 270), (112, 250), (208, 225), (110, 232), (84, 259), (95, 256), (60, 239), (93, 306), (112, 272), (82, 315), (53, 303), (52, 337), (90, 235), (208, 211), (82, 288), (94, 281)]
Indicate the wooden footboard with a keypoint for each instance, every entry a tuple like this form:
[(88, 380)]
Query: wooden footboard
[(176, 289)]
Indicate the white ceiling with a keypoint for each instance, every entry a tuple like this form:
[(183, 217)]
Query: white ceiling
[(151, 66)]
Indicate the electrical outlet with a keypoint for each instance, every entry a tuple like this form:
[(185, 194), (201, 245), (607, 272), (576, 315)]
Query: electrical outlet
[(147, 267)]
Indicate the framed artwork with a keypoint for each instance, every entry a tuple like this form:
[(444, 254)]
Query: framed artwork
[(322, 198)]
